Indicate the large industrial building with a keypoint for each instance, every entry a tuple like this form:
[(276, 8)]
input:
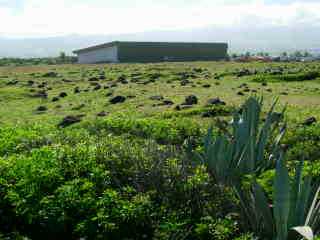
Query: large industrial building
[(118, 51)]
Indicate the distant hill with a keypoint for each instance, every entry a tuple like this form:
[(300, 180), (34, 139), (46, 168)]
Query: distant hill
[(273, 39)]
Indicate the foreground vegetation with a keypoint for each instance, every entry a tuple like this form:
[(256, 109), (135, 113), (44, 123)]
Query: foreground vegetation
[(125, 152)]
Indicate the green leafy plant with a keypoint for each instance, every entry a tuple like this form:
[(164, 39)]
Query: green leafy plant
[(295, 205), (289, 77), (231, 158), (164, 131), (232, 155)]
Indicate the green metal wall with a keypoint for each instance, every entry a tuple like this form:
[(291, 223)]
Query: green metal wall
[(157, 52)]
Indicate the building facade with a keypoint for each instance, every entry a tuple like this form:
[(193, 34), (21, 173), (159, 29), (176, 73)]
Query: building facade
[(152, 52)]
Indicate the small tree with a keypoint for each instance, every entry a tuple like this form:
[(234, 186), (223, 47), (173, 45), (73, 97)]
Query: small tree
[(234, 55), (248, 54), (307, 54), (62, 56), (297, 54)]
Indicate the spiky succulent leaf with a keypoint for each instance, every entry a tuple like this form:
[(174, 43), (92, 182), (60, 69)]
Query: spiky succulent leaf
[(305, 232), (313, 217), (263, 209), (281, 200), (295, 194)]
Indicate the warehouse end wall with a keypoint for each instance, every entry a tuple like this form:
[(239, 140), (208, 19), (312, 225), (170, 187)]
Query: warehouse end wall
[(108, 54)]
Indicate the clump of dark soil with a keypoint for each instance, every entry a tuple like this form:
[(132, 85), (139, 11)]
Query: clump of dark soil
[(63, 94), (42, 108), (190, 100), (69, 120), (117, 99)]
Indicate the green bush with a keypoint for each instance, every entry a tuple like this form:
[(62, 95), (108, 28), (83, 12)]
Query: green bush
[(108, 187), (215, 111), (36, 61), (220, 229), (19, 139), (288, 77), (168, 131), (303, 143)]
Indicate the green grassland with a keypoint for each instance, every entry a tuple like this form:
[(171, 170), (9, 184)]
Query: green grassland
[(144, 81), (122, 170)]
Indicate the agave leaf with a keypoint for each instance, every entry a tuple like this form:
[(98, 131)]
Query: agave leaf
[(295, 194), (262, 207), (280, 135), (263, 138), (211, 159), (313, 217), (208, 139), (227, 167), (264, 135), (229, 155), (304, 231), (252, 110), (200, 157), (241, 159), (303, 200), (281, 199), (246, 207), (250, 166), (220, 157), (276, 147)]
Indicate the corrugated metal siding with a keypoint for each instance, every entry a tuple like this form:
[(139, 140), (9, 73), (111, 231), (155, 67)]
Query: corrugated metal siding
[(106, 54), (157, 52)]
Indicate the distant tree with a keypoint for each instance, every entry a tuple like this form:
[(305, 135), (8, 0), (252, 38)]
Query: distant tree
[(284, 54), (234, 55), (307, 54), (297, 54), (248, 54), (62, 56), (263, 54)]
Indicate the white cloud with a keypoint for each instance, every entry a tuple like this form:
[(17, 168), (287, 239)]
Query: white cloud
[(59, 17)]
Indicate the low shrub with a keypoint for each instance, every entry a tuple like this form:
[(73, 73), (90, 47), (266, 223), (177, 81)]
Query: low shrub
[(216, 111), (288, 77), (164, 131), (113, 189), (220, 229), (303, 143), (20, 139)]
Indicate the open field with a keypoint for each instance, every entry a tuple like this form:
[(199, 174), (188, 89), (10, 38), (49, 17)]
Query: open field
[(173, 81), (99, 151)]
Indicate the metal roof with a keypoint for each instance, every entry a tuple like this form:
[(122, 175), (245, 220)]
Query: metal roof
[(110, 44), (114, 43)]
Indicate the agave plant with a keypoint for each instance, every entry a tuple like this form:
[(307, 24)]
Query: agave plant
[(241, 152), (295, 205), (231, 156)]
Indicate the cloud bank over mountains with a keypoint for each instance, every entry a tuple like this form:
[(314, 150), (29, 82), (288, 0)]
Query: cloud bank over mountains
[(32, 28)]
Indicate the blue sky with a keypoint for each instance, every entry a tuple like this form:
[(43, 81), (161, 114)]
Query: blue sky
[(42, 18)]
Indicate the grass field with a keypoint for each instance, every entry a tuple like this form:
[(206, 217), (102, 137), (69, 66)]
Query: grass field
[(142, 82), (100, 152)]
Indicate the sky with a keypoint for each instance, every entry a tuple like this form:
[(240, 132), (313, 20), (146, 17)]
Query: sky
[(47, 18)]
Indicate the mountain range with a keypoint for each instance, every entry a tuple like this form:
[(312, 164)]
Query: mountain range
[(253, 38)]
